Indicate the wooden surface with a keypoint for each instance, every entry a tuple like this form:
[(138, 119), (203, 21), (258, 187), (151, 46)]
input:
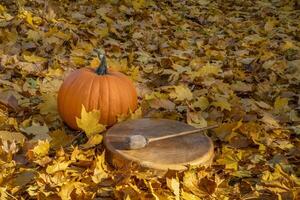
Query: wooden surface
[(173, 153)]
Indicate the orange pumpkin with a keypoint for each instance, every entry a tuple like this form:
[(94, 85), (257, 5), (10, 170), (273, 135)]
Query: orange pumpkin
[(102, 89)]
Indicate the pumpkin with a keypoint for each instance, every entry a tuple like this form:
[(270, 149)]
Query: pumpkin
[(102, 89)]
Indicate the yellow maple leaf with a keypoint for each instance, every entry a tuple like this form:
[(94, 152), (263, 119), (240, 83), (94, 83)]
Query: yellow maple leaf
[(119, 65), (138, 4), (127, 197), (100, 171), (60, 139), (89, 122), (208, 69), (93, 141), (12, 136), (190, 181), (4, 193), (42, 148), (269, 25), (201, 102), (136, 114), (188, 196), (288, 45), (131, 115), (281, 105), (181, 93), (196, 119), (34, 58), (68, 187), (230, 158), (49, 104), (135, 73), (66, 190), (222, 104), (57, 166), (27, 16), (54, 72), (174, 185)]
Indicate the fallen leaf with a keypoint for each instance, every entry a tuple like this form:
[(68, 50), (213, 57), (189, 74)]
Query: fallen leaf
[(23, 178), (67, 189), (181, 93), (89, 122), (188, 196), (60, 139), (100, 171), (190, 183), (207, 185), (136, 114), (269, 25), (49, 104), (224, 105), (161, 103), (138, 4), (34, 58), (9, 100), (241, 87), (41, 149), (174, 186), (281, 105), (93, 141), (269, 120), (206, 70), (201, 102), (57, 166), (196, 119), (12, 136), (39, 132)]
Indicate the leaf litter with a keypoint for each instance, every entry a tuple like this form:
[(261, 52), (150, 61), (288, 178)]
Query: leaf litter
[(236, 63)]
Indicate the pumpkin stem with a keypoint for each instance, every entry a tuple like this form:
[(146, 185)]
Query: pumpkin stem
[(102, 69)]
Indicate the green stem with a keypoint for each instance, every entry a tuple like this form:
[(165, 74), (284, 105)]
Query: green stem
[(102, 69)]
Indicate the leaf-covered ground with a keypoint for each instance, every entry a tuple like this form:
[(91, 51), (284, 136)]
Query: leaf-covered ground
[(236, 63)]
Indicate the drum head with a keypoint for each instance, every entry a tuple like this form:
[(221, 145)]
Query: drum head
[(173, 153)]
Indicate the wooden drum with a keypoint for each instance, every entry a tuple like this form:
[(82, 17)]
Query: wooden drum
[(174, 153)]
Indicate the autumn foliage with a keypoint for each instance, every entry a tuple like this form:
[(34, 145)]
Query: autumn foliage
[(235, 63)]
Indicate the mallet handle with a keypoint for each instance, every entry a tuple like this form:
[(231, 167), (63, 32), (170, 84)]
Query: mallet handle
[(182, 133)]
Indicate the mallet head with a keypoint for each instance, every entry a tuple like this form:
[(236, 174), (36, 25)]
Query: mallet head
[(136, 142)]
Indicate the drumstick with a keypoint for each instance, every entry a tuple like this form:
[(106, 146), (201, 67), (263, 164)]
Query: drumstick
[(140, 141)]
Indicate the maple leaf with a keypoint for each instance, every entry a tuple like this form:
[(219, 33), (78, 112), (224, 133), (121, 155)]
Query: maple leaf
[(208, 69), (224, 105), (281, 105), (57, 166), (196, 119), (190, 183), (181, 93), (174, 185), (89, 122), (136, 114), (60, 138), (188, 196), (230, 159), (42, 148), (39, 132), (201, 102), (100, 171), (12, 136), (34, 58), (49, 104), (4, 193), (68, 187), (138, 4), (132, 115), (93, 141)]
